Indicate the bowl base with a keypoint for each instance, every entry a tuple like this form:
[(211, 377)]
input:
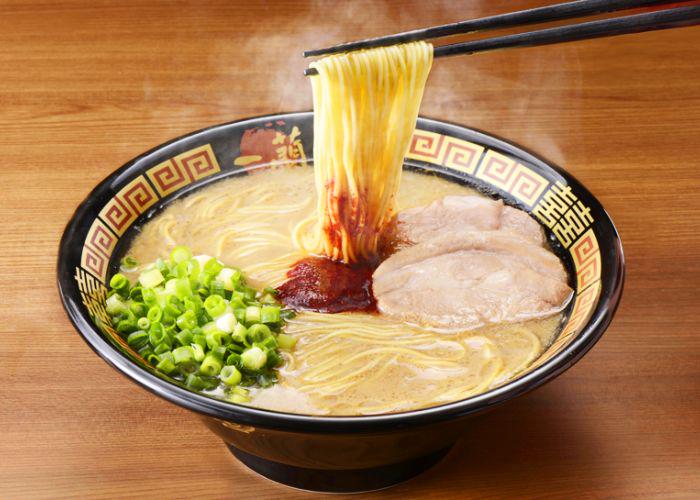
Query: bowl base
[(339, 481)]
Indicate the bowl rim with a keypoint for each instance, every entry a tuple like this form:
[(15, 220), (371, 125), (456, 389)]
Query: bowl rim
[(597, 324)]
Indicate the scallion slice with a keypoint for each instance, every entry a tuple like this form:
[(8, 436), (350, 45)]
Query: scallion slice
[(151, 278), (230, 375), (254, 358)]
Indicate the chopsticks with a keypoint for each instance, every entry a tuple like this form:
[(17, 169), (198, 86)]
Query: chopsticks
[(663, 19)]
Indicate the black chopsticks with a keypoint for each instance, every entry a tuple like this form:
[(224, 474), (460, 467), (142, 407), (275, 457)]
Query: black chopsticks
[(663, 19)]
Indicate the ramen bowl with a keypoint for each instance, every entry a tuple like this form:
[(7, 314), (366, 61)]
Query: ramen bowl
[(335, 453)]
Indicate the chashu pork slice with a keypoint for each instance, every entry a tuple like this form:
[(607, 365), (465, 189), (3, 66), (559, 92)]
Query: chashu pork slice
[(459, 213), (466, 279)]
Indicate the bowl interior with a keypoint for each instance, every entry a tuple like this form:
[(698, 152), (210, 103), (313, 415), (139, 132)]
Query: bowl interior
[(578, 228)]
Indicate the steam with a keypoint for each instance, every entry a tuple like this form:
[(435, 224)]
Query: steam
[(494, 91)]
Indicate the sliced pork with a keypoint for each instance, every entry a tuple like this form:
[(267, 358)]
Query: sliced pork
[(460, 213), (458, 279)]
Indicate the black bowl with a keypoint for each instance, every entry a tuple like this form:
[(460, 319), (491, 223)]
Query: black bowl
[(339, 453)]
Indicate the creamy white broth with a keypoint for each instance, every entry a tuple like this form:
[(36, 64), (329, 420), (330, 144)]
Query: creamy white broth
[(348, 363)]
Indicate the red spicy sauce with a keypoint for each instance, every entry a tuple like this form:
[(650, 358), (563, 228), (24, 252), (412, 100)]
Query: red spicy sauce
[(324, 285)]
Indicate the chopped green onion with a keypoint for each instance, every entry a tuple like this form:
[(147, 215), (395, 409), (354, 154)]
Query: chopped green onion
[(213, 267), (155, 314), (226, 322), (195, 382), (252, 314), (180, 254), (240, 391), (270, 314), (286, 314), (219, 352), (269, 344), (210, 327), (162, 347), (236, 348), (249, 293), (166, 363), (193, 268), (156, 333), (136, 294), (194, 302), (237, 398), (254, 358), (137, 339), (171, 313), (217, 288), (216, 339), (149, 296), (268, 299), (229, 277), (201, 260), (183, 288), (230, 375), (151, 278), (175, 302), (139, 309), (286, 342), (266, 379), (198, 383), (184, 337), (161, 266), (184, 354), (120, 284), (239, 313), (239, 333), (211, 365), (215, 305), (128, 264), (187, 320), (115, 305), (273, 359), (198, 352), (186, 315), (145, 351), (200, 339), (170, 286), (234, 360), (258, 332), (127, 326)]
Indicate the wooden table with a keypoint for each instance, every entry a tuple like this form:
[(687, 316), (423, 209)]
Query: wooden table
[(84, 88)]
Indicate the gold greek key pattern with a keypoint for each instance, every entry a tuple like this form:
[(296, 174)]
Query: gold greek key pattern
[(512, 177), (586, 255), (444, 150), (562, 212), (130, 202), (93, 295), (98, 247), (183, 169)]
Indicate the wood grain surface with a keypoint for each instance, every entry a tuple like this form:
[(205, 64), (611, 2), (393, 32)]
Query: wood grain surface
[(87, 85)]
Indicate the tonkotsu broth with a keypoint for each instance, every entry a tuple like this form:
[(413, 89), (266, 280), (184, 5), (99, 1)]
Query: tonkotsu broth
[(348, 363)]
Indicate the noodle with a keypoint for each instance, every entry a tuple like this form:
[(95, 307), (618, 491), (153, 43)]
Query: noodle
[(365, 109)]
